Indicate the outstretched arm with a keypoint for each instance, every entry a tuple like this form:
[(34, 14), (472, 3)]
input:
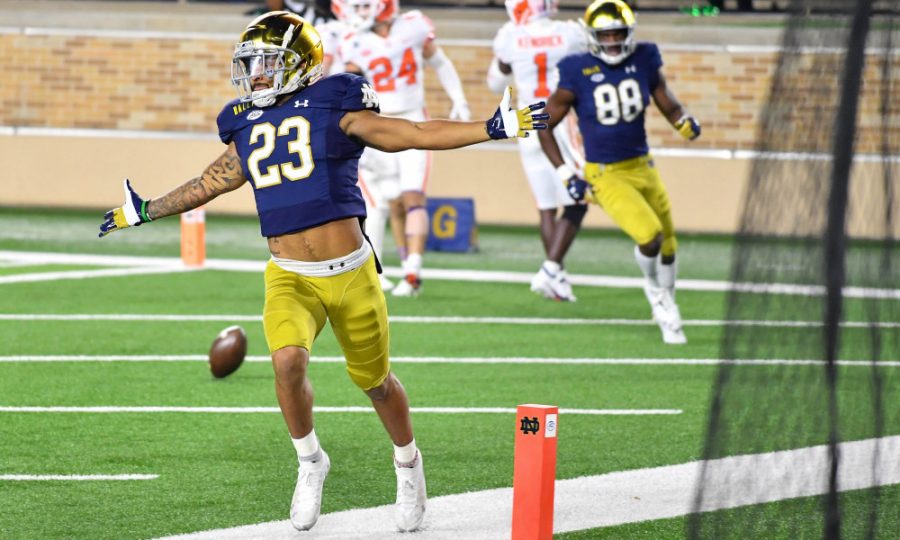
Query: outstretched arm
[(395, 134), (221, 176), (675, 113)]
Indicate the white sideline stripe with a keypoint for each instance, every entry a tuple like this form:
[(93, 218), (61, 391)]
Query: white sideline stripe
[(448, 274), (609, 499), (89, 274), (463, 360), (253, 410), (75, 477), (416, 319), (704, 153)]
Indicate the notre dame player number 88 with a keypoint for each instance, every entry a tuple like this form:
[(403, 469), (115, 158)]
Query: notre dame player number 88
[(617, 102)]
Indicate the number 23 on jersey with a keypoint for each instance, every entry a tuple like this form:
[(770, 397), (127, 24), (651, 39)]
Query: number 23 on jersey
[(298, 145)]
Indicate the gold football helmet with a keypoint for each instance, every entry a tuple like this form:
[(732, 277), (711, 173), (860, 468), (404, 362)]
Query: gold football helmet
[(605, 17), (282, 47)]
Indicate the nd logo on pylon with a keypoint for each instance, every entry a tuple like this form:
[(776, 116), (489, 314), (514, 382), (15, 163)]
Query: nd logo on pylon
[(530, 425)]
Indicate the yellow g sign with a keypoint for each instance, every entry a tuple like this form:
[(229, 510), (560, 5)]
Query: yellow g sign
[(443, 222)]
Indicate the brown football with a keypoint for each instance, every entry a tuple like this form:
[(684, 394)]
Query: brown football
[(227, 351)]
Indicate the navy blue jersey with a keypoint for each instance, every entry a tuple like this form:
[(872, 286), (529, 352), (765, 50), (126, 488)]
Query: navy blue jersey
[(303, 168), (610, 101)]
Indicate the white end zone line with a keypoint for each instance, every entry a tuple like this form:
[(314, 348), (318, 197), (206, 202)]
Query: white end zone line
[(74, 477), (448, 274), (368, 410), (610, 499), (463, 360)]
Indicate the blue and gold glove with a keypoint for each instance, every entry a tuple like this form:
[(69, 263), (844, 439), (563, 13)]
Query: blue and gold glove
[(688, 127), (131, 214), (578, 189), (511, 123)]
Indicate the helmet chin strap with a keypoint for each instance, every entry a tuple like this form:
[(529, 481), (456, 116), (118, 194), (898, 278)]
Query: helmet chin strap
[(263, 98)]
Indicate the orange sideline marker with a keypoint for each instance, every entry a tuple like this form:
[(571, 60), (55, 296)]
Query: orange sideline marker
[(534, 472), (193, 237)]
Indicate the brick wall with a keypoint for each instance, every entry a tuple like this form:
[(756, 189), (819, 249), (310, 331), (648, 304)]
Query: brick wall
[(83, 81)]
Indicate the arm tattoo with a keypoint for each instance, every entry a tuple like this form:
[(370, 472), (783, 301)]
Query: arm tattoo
[(223, 175)]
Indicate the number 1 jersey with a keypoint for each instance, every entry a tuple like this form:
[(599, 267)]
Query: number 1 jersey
[(303, 168), (533, 50)]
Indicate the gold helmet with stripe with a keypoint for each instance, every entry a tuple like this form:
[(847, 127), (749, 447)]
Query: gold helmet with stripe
[(610, 30), (278, 53)]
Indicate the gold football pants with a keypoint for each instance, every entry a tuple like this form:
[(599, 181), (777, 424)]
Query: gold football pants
[(631, 192), (297, 306)]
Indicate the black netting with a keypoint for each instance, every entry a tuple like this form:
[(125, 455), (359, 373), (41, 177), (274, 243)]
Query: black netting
[(816, 268)]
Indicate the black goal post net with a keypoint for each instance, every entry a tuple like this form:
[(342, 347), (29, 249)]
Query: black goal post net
[(803, 436)]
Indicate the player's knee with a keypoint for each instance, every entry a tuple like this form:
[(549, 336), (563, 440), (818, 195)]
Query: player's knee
[(383, 390), (574, 214), (417, 221), (290, 364), (653, 247)]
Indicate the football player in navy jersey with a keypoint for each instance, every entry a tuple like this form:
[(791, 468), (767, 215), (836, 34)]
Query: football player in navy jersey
[(610, 87), (297, 138)]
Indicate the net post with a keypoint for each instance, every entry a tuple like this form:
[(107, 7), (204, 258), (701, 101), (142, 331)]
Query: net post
[(534, 472)]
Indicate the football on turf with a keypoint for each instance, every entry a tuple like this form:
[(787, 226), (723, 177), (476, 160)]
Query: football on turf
[(227, 351)]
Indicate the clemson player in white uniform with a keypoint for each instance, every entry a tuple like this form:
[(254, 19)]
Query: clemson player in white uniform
[(331, 32), (527, 48), (390, 49)]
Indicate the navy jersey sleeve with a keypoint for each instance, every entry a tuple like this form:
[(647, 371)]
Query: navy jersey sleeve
[(567, 69), (358, 94), (227, 119)]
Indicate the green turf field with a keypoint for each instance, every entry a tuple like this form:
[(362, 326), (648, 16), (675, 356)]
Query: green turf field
[(73, 348)]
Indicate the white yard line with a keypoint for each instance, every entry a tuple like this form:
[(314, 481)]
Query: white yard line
[(368, 410), (453, 275), (417, 319), (610, 499), (89, 274), (24, 358), (74, 477)]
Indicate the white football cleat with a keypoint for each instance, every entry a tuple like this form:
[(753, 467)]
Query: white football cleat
[(410, 286), (411, 497), (307, 500), (666, 314), (386, 284), (553, 286)]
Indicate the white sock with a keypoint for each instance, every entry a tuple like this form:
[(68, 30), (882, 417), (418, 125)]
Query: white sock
[(375, 225), (665, 274), (648, 266), (413, 264), (307, 447), (551, 267), (405, 455)]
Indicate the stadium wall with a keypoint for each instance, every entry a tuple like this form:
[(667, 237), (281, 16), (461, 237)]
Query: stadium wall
[(90, 105)]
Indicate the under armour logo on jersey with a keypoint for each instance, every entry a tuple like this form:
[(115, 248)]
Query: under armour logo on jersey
[(630, 69), (369, 97), (254, 115), (298, 103), (530, 425), (597, 77)]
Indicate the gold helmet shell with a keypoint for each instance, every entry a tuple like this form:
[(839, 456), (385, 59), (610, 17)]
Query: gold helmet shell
[(609, 16), (281, 46)]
